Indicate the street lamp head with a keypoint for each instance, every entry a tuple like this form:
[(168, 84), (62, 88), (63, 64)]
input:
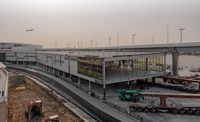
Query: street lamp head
[(181, 29), (133, 34)]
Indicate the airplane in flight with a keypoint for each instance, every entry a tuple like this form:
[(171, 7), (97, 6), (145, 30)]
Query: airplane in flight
[(28, 30)]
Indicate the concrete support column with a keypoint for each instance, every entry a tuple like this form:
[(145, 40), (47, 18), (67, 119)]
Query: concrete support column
[(45, 68), (175, 56), (162, 101), (89, 87), (104, 79), (128, 82), (165, 59), (135, 81), (79, 82), (165, 80), (63, 75), (153, 79), (42, 67), (58, 73), (146, 64), (53, 71), (104, 91)]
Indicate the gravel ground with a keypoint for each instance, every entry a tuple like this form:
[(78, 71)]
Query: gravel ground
[(17, 101)]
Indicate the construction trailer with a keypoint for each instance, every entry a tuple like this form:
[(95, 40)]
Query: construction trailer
[(173, 108)]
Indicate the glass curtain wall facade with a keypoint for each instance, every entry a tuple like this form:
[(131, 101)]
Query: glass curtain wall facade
[(90, 66), (124, 69)]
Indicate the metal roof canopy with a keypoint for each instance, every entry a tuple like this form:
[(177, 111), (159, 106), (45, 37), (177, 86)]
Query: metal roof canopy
[(103, 55)]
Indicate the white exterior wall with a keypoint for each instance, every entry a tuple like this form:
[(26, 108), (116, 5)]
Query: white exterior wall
[(3, 85), (49, 60), (61, 63), (10, 56), (20, 56), (53, 61), (64, 66), (73, 68)]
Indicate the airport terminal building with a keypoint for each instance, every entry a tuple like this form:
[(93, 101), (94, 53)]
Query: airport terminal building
[(101, 67)]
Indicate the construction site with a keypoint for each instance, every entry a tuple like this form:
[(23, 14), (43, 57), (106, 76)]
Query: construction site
[(23, 90), (111, 86)]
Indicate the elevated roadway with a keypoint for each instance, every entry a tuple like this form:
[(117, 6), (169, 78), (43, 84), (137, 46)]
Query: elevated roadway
[(172, 48), (169, 48)]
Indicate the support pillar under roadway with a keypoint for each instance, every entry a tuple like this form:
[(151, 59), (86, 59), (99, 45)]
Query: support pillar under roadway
[(153, 79), (163, 101), (175, 56), (104, 92), (89, 87), (79, 82)]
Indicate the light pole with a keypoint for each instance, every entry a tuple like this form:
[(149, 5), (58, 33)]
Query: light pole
[(152, 40), (181, 34), (118, 39), (167, 34), (133, 35), (109, 41), (78, 44), (91, 43)]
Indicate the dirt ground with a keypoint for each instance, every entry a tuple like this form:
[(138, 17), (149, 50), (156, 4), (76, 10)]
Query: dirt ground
[(17, 101)]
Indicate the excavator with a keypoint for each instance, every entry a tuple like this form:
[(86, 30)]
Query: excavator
[(130, 95), (33, 109)]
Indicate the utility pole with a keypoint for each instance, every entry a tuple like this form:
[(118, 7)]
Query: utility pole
[(181, 35), (133, 35)]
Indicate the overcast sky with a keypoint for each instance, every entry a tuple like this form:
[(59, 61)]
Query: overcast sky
[(69, 21)]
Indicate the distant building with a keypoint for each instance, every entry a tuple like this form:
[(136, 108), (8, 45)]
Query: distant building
[(18, 46)]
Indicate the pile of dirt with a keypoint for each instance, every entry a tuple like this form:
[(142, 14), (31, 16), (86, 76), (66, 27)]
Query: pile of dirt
[(17, 101)]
